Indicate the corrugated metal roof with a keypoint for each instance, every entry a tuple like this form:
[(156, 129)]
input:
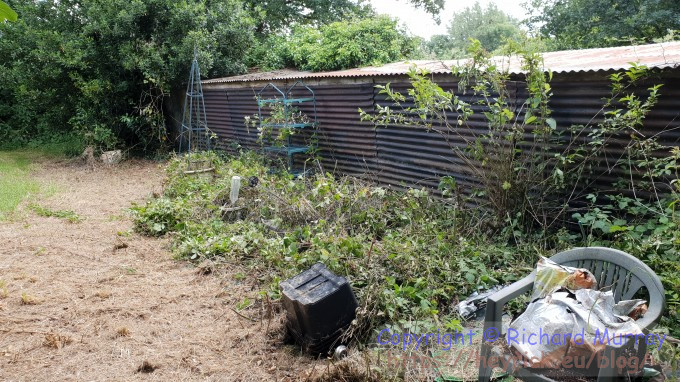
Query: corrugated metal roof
[(661, 55)]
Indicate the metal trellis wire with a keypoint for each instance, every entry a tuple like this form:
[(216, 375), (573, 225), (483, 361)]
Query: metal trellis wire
[(195, 135)]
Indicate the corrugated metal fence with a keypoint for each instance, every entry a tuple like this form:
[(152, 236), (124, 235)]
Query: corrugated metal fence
[(409, 156)]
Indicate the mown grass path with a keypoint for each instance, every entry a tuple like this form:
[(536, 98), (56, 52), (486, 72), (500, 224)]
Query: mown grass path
[(87, 299)]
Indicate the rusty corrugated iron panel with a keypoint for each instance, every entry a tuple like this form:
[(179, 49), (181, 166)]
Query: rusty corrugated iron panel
[(346, 144), (660, 55), (406, 156), (415, 157)]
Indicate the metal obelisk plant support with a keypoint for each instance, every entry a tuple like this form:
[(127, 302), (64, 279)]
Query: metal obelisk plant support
[(195, 134)]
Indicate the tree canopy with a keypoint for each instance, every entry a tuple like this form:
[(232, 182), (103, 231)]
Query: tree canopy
[(104, 69), (490, 25), (574, 24), (348, 44), (277, 15)]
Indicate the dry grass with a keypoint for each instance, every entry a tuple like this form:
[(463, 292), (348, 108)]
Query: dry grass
[(56, 341), (4, 290), (179, 321), (123, 332), (103, 294)]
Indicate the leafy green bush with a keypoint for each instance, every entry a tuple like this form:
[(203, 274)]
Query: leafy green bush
[(110, 79), (158, 218)]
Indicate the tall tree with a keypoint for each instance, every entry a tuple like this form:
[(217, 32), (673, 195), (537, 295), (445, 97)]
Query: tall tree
[(573, 24), (279, 15), (490, 25)]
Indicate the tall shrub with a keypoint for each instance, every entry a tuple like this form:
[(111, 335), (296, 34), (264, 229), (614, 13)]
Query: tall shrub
[(105, 69)]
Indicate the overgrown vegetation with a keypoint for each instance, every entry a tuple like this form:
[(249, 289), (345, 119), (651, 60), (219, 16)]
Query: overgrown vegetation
[(409, 256), (538, 178)]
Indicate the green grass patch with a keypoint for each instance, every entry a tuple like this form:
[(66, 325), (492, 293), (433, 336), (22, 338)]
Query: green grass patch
[(69, 215), (64, 145), (15, 182)]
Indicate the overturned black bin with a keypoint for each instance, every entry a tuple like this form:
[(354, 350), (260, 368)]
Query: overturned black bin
[(319, 306)]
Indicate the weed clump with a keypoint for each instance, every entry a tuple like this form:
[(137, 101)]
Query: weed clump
[(27, 299), (67, 215)]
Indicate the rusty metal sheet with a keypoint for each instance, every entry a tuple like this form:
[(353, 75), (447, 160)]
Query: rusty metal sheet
[(659, 55), (405, 156)]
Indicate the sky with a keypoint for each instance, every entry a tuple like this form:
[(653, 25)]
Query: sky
[(421, 23)]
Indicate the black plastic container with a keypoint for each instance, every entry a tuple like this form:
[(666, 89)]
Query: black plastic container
[(319, 306)]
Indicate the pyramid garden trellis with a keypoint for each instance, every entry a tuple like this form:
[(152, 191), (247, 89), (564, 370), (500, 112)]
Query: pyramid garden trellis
[(195, 135)]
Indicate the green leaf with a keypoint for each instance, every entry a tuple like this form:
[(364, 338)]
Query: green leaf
[(6, 13), (616, 228), (551, 122)]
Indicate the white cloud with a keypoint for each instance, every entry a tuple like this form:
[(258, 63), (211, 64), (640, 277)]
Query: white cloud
[(420, 23)]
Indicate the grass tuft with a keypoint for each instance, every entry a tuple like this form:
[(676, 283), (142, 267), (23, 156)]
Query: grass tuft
[(68, 215), (56, 341), (27, 299)]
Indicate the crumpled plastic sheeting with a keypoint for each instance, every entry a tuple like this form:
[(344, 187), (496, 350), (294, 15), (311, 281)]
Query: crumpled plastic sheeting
[(475, 304), (573, 320), (551, 276), (578, 318)]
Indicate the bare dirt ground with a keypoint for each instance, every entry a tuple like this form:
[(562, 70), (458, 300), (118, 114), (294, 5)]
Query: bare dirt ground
[(92, 301)]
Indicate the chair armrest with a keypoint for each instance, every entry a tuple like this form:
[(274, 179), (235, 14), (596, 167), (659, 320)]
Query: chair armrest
[(494, 312), (514, 290), (496, 302)]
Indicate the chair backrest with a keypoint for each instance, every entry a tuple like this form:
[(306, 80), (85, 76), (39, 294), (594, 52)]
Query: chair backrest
[(624, 274)]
